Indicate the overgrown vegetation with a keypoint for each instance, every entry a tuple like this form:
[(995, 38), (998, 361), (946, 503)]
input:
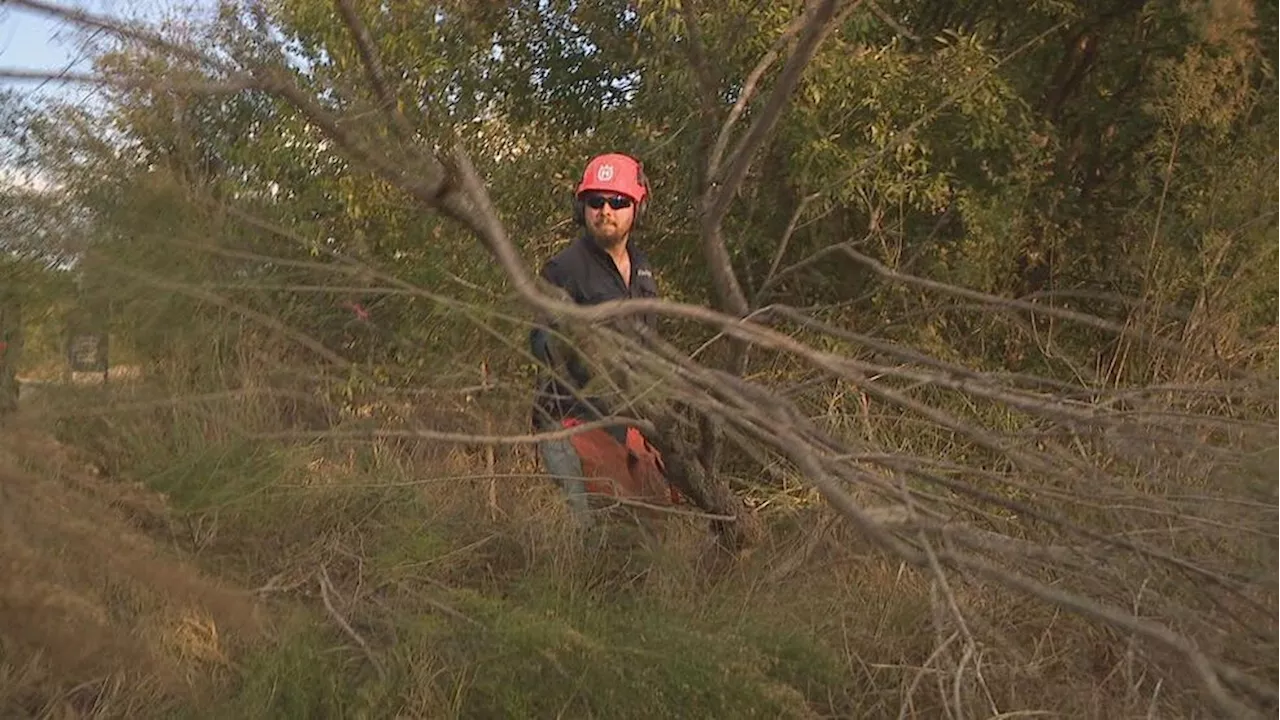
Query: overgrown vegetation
[(1004, 406)]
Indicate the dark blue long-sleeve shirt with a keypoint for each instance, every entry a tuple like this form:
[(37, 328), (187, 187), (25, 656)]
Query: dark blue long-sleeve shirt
[(589, 275)]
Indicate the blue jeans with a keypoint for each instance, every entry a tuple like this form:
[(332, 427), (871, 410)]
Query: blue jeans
[(565, 467)]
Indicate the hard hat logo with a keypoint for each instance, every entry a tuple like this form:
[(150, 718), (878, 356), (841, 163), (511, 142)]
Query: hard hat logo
[(617, 173)]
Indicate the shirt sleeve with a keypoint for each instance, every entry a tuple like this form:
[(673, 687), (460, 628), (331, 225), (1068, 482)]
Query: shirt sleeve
[(554, 273), (543, 343), (544, 326), (539, 337)]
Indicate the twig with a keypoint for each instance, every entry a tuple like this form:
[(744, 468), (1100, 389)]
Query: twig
[(1011, 303), (194, 87), (1209, 672), (456, 437), (773, 276), (80, 17), (265, 320), (820, 15), (664, 509), (748, 92), (326, 588), (768, 418), (369, 56), (889, 20)]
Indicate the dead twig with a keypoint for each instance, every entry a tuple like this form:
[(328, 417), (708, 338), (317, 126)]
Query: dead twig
[(326, 590), (187, 87)]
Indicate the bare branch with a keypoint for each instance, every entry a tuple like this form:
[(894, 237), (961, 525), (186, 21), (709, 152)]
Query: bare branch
[(773, 276), (1015, 304), (326, 590), (718, 185), (266, 320), (889, 20), (753, 78), (459, 437), (945, 507), (80, 17), (748, 92), (704, 73), (820, 17), (369, 56), (1209, 672), (193, 87)]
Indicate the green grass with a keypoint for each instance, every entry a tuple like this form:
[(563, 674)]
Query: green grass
[(300, 677), (466, 619), (539, 656), (468, 614)]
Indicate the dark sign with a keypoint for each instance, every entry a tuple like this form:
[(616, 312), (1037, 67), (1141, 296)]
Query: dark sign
[(87, 352)]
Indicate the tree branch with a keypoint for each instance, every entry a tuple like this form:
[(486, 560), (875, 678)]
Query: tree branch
[(707, 83), (80, 17), (749, 91), (377, 74), (820, 16), (773, 276), (201, 87), (832, 462)]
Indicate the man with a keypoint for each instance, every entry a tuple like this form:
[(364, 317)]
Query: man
[(602, 264)]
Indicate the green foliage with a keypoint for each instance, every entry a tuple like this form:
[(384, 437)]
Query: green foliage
[(625, 659), (1013, 150), (539, 656), (1112, 157)]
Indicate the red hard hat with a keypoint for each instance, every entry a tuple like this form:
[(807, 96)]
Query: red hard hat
[(614, 172)]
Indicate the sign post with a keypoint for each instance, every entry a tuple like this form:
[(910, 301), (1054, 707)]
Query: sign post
[(87, 352), (10, 351)]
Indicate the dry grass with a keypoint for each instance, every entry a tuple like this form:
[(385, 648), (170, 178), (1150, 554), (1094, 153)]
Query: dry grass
[(413, 577), (411, 582), (95, 610), (450, 585)]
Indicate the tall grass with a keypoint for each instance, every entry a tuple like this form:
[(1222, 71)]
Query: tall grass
[(397, 587)]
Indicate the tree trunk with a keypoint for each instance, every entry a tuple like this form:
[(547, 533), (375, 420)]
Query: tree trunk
[(736, 527)]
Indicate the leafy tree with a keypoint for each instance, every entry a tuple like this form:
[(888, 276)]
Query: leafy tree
[(855, 177)]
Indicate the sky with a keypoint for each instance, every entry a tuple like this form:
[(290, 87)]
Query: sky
[(40, 42), (36, 41)]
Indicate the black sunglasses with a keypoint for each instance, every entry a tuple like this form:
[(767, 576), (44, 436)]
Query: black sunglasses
[(617, 202)]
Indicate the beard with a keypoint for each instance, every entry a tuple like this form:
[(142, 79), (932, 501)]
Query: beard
[(608, 233)]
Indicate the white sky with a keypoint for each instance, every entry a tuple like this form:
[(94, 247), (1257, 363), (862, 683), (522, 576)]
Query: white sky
[(40, 42), (36, 41)]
